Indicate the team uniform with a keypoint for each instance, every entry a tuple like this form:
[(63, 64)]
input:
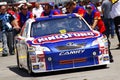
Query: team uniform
[(80, 10), (95, 15), (100, 26), (52, 12), (21, 18)]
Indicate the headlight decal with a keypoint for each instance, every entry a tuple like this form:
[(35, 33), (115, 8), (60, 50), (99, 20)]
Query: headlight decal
[(103, 45)]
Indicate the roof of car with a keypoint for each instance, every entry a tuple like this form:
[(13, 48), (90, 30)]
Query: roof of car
[(55, 17)]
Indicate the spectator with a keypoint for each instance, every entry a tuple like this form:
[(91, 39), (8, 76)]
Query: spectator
[(106, 8), (48, 10), (67, 8), (30, 6), (37, 10), (7, 24), (10, 10), (58, 9), (16, 10), (99, 8), (115, 14)]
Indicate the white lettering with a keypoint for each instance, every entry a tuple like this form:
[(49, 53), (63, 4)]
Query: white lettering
[(51, 38), (71, 52), (90, 34), (77, 34), (41, 39), (65, 36), (83, 34)]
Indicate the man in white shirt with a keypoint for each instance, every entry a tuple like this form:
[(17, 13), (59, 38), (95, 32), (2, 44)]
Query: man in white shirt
[(115, 14), (37, 10)]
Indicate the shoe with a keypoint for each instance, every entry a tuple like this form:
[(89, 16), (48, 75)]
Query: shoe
[(12, 53), (118, 44), (111, 60), (112, 37), (118, 47), (3, 55)]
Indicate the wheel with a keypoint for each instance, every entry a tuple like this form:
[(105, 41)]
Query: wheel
[(29, 65)]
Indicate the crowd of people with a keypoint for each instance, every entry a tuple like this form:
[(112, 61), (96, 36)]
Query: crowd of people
[(99, 15)]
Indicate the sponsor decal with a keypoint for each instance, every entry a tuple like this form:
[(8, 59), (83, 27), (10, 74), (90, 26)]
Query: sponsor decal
[(71, 44), (72, 52), (36, 67), (22, 57), (103, 50), (60, 37), (105, 58)]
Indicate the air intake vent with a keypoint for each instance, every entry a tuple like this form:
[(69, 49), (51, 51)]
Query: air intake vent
[(73, 46)]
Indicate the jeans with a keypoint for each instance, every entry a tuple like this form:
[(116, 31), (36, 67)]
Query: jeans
[(0, 36), (7, 42), (110, 27), (117, 27)]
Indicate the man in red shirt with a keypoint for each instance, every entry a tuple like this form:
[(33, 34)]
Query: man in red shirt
[(94, 19)]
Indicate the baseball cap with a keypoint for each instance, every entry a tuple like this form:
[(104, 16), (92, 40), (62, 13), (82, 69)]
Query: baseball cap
[(88, 7), (51, 3)]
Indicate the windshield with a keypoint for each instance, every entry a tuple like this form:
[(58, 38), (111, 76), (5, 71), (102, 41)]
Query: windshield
[(57, 26)]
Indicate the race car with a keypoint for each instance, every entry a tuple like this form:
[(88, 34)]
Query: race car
[(60, 42)]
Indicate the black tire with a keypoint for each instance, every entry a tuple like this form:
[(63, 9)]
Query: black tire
[(104, 66), (29, 65)]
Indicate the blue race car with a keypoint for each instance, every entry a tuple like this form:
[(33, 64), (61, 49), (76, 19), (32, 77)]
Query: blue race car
[(61, 42)]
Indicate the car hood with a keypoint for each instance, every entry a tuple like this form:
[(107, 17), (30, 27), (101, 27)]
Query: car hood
[(73, 40)]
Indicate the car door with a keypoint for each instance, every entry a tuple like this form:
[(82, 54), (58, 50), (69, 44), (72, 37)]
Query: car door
[(22, 45)]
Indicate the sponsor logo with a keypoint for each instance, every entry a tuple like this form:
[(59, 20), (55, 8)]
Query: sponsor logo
[(61, 37), (36, 67), (73, 52), (71, 44), (105, 58)]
